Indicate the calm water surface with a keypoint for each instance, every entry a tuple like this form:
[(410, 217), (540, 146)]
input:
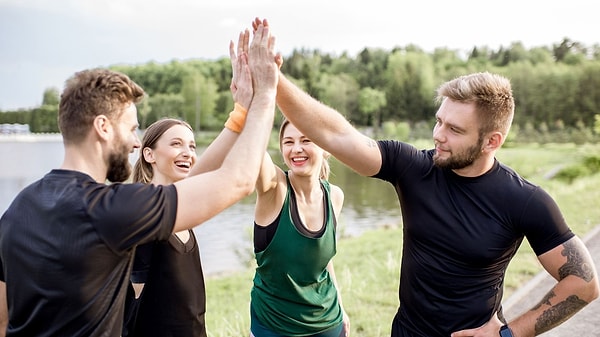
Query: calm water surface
[(226, 240)]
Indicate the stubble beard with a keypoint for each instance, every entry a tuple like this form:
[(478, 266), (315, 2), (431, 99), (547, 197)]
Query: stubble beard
[(460, 160)]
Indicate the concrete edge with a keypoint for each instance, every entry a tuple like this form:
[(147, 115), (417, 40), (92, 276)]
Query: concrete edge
[(537, 279)]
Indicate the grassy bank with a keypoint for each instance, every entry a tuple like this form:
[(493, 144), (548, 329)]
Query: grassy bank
[(368, 266)]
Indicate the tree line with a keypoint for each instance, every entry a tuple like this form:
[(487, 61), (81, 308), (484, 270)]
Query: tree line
[(556, 88)]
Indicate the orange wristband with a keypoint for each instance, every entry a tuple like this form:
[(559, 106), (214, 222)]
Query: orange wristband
[(237, 118)]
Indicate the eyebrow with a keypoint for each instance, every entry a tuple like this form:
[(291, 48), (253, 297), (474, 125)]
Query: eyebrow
[(452, 125), (180, 139)]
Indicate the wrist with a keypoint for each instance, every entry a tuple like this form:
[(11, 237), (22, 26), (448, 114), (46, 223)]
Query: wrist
[(505, 331), (237, 118)]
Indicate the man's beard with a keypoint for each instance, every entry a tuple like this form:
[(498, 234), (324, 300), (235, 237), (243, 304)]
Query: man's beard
[(461, 160), (119, 168)]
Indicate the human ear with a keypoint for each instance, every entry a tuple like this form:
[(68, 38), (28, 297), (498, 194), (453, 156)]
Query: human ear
[(148, 155), (102, 126), (495, 140)]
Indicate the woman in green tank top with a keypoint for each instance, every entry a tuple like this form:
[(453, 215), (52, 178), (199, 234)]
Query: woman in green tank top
[(295, 289)]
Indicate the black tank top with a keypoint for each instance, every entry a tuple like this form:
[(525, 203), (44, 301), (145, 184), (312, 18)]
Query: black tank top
[(173, 302)]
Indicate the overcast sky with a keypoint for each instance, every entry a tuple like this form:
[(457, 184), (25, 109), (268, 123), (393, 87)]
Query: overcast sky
[(43, 42)]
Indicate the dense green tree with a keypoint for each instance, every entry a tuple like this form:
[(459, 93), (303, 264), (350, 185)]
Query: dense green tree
[(541, 55), (588, 96), (157, 78), (200, 98), (305, 65), (341, 92), (445, 59), (566, 50), (51, 97), (370, 103), (371, 66), (44, 119), (524, 82), (164, 105), (556, 87), (410, 86), (144, 110)]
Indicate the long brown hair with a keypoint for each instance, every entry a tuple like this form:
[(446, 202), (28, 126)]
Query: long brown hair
[(142, 170)]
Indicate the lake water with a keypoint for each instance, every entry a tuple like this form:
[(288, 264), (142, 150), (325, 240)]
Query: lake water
[(226, 240)]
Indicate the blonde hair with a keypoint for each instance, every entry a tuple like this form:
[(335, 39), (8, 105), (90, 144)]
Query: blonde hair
[(142, 170), (325, 168), (492, 95)]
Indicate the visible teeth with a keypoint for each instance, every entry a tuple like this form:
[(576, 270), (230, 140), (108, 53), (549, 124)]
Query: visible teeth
[(180, 163), (299, 159)]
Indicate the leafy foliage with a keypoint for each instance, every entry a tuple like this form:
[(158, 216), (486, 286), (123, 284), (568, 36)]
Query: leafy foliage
[(556, 87)]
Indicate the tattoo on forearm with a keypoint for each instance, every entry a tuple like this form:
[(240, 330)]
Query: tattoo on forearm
[(545, 300), (559, 313), (577, 264)]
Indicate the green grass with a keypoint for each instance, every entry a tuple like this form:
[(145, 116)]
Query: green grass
[(368, 266)]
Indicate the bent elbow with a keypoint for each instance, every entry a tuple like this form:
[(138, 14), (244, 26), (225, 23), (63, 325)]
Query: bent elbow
[(248, 188), (595, 293), (245, 184), (590, 291)]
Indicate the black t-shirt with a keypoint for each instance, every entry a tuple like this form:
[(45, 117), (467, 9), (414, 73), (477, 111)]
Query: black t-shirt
[(460, 234), (173, 302), (66, 248)]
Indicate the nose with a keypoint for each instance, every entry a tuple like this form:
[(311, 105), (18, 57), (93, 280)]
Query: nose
[(438, 135), (187, 152), (136, 143), (297, 147)]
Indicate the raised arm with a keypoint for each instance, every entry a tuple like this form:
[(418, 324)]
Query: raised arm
[(241, 90), (328, 129), (324, 125), (203, 196)]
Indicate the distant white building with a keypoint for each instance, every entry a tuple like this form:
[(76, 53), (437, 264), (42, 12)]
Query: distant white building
[(14, 129)]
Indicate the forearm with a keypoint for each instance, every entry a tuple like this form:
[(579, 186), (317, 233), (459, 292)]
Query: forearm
[(305, 112), (252, 143), (235, 179), (573, 267), (568, 297), (328, 129), (212, 158)]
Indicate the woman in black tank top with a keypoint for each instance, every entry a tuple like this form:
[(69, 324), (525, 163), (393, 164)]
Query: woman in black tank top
[(167, 297)]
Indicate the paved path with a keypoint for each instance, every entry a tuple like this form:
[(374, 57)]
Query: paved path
[(586, 323)]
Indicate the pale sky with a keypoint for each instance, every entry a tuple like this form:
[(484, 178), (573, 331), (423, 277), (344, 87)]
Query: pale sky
[(43, 42)]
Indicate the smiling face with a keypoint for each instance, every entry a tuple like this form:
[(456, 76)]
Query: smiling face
[(172, 156), (458, 142), (299, 153)]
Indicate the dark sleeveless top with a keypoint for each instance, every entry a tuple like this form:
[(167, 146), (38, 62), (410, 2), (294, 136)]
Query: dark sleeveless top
[(173, 302)]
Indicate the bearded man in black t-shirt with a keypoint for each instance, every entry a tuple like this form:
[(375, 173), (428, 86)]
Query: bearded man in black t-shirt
[(67, 240), (464, 213)]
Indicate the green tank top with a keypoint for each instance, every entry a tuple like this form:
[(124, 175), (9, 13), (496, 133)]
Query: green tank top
[(293, 293)]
